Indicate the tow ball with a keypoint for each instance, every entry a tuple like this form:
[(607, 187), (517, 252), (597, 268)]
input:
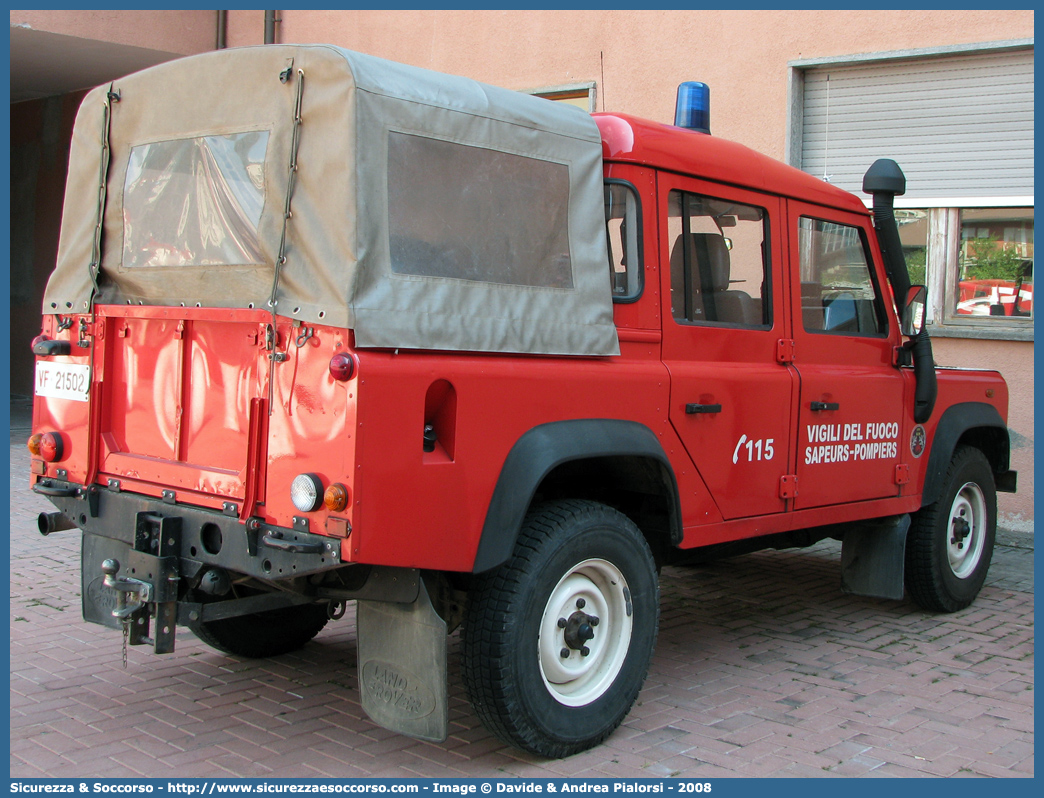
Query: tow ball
[(124, 586), (132, 596)]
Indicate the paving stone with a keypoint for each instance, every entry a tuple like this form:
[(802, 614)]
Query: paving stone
[(763, 668)]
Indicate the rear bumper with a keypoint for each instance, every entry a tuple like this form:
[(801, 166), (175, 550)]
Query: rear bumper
[(160, 550), (205, 537)]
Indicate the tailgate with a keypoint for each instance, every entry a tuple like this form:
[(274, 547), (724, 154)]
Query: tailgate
[(183, 403)]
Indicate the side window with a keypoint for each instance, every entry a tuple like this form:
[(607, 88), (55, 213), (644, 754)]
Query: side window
[(719, 261), (440, 217), (623, 229), (838, 294)]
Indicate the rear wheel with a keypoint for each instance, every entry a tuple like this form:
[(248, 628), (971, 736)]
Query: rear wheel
[(557, 641), (950, 543), (264, 634)]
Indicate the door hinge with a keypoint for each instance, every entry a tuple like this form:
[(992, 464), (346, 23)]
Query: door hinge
[(90, 329), (788, 486), (902, 474), (179, 332), (785, 350)]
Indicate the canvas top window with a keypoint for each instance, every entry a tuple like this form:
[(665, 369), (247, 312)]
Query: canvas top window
[(195, 201), (440, 217)]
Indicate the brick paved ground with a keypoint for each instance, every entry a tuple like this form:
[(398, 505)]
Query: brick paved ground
[(763, 668)]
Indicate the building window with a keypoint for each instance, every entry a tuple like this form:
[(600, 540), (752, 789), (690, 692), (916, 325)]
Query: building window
[(995, 264), (966, 147), (978, 266), (582, 95)]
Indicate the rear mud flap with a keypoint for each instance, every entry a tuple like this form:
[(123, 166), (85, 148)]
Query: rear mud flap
[(402, 666), (873, 557)]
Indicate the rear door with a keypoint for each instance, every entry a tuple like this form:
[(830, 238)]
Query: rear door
[(183, 402), (851, 402), (732, 395)]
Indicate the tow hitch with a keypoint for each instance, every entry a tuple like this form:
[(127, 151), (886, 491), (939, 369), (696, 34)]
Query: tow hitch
[(129, 595)]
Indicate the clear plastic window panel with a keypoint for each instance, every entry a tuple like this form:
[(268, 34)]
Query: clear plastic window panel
[(195, 202), (470, 213), (837, 291)]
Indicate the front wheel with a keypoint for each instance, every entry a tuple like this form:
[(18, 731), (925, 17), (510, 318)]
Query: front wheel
[(950, 543), (557, 641)]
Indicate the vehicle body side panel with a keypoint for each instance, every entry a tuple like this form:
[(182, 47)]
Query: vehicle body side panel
[(427, 509)]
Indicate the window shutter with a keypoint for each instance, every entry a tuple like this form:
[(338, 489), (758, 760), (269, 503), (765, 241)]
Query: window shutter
[(960, 126)]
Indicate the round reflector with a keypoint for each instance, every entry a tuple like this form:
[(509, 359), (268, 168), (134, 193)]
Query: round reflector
[(306, 492), (336, 497)]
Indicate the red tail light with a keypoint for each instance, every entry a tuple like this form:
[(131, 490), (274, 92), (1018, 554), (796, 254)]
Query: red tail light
[(47, 446), (342, 366)]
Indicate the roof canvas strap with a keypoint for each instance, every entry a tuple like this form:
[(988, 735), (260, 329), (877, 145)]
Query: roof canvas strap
[(94, 268), (295, 141)]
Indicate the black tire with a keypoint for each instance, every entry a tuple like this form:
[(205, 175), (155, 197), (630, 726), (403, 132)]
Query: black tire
[(950, 543), (575, 559), (264, 634)]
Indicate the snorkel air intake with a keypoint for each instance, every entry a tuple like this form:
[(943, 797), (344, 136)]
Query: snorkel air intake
[(884, 180)]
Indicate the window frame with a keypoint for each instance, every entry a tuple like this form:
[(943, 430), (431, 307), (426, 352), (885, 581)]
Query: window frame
[(768, 319), (942, 279), (634, 296), (880, 310), (567, 92)]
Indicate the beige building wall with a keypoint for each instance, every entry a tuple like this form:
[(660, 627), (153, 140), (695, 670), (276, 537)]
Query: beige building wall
[(181, 32), (638, 58)]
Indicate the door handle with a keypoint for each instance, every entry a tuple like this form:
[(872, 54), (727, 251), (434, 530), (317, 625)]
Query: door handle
[(692, 409), (817, 406)]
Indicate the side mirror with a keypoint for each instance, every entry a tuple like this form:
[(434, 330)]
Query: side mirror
[(915, 310)]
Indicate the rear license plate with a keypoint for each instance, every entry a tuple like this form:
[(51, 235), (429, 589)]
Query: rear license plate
[(63, 380)]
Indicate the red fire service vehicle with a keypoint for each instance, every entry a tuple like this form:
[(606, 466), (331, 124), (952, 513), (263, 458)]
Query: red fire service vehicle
[(325, 328)]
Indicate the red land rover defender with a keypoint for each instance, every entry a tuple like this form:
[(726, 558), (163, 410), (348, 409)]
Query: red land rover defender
[(328, 328)]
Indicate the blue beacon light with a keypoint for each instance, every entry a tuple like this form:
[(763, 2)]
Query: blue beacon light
[(692, 110)]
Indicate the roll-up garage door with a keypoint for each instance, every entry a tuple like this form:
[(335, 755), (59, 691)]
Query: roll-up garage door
[(960, 126)]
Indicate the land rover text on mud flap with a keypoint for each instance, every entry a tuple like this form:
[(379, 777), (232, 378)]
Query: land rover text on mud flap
[(328, 328)]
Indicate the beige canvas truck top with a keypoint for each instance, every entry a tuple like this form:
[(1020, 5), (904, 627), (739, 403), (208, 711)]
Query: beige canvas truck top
[(425, 210)]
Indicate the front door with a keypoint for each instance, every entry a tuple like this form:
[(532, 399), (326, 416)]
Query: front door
[(851, 403), (733, 402)]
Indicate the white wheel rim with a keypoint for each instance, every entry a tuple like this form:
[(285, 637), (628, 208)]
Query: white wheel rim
[(966, 530), (591, 588)]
